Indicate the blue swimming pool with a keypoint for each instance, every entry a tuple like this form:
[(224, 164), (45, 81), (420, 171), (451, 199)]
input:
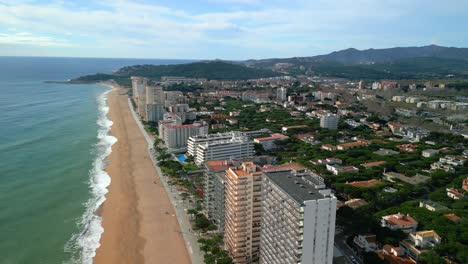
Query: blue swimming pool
[(181, 158)]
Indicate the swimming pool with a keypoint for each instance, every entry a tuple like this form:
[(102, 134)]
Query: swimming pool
[(181, 158)]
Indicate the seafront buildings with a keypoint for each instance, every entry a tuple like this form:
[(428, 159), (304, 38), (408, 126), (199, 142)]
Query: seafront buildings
[(175, 135), (194, 141), (234, 148), (154, 103), (214, 190), (139, 94), (298, 219), (243, 212)]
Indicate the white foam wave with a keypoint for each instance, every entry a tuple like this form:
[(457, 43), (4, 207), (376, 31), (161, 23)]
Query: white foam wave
[(83, 245)]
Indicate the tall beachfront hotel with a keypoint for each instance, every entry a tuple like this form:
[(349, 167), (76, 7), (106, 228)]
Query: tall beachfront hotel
[(298, 219), (243, 206)]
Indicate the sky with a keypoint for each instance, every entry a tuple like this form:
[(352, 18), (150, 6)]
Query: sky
[(224, 29)]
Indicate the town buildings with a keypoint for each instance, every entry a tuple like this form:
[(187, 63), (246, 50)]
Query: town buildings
[(402, 222), (299, 219), (176, 136), (329, 121), (214, 190), (139, 94), (282, 94), (194, 141), (235, 147), (268, 143), (154, 105), (243, 212)]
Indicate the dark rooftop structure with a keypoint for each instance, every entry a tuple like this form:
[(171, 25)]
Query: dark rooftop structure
[(300, 186)]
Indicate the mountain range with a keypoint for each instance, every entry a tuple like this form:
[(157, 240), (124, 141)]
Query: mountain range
[(393, 63), (354, 56)]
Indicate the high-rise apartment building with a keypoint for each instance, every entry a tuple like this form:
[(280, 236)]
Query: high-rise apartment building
[(234, 148), (194, 141), (329, 121), (139, 94), (154, 103), (214, 190), (243, 212), (298, 219), (176, 136), (282, 94)]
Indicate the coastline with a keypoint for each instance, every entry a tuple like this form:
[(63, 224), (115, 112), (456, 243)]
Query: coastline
[(137, 217)]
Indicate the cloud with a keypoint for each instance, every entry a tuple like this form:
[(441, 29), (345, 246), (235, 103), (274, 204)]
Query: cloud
[(26, 38), (225, 28)]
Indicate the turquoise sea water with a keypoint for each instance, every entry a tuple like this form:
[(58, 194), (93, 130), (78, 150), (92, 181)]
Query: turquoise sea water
[(53, 144)]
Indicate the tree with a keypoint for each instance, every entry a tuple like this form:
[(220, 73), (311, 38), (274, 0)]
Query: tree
[(430, 257)]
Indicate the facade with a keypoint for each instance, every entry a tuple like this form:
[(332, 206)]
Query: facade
[(194, 141), (176, 136), (214, 190), (282, 94), (329, 121), (234, 148), (154, 104), (299, 219), (243, 212), (139, 94), (418, 242)]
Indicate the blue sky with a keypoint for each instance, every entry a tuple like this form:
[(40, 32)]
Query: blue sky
[(225, 29)]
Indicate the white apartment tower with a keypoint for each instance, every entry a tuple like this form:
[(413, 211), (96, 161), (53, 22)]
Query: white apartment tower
[(282, 94), (139, 94), (194, 141), (329, 121), (176, 136), (234, 148), (154, 103), (298, 219)]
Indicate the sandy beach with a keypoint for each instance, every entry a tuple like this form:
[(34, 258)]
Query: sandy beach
[(139, 221)]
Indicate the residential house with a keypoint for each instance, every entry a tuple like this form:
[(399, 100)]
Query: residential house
[(418, 242), (455, 194), (337, 169), (398, 221), (366, 243), (432, 206), (428, 153)]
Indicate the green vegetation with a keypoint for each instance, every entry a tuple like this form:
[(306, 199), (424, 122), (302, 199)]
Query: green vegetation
[(212, 70), (213, 252)]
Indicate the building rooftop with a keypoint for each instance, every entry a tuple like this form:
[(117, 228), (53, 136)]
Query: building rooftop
[(220, 165), (400, 219), (373, 164), (283, 167), (452, 217), (364, 184), (275, 136), (300, 186)]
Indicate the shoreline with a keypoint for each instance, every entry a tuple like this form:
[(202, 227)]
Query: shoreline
[(137, 216)]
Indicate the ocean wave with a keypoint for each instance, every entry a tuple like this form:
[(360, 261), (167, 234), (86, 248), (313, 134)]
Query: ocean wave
[(83, 245)]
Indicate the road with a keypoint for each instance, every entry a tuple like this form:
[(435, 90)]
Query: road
[(340, 243), (190, 238)]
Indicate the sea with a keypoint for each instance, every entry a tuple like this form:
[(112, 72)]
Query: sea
[(54, 140)]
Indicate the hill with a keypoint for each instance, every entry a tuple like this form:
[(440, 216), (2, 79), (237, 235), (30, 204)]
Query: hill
[(394, 63), (353, 56), (212, 70)]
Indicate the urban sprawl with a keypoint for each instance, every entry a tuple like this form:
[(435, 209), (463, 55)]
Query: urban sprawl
[(314, 170)]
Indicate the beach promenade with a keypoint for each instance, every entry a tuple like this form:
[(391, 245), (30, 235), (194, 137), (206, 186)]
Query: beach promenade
[(139, 220)]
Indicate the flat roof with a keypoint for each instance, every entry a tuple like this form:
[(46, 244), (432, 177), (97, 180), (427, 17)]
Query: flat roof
[(298, 186)]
